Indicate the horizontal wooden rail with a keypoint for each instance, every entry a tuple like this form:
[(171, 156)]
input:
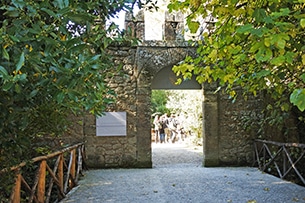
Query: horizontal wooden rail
[(57, 173), (285, 160)]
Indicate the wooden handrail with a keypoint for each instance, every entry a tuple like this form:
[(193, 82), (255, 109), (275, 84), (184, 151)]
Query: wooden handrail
[(276, 154), (41, 186), (39, 158), (299, 145)]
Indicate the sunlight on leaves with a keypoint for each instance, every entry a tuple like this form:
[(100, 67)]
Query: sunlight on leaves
[(298, 98)]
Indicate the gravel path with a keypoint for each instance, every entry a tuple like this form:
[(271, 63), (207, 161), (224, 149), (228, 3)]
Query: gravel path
[(177, 176), (176, 155)]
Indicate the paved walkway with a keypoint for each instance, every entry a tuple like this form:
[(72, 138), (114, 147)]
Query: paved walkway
[(178, 177)]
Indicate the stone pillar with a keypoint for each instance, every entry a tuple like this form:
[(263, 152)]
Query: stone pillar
[(210, 126), (144, 157)]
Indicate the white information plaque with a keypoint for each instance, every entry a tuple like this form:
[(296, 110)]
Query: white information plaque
[(111, 124)]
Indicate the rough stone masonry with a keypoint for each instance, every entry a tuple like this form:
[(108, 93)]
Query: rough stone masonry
[(225, 141)]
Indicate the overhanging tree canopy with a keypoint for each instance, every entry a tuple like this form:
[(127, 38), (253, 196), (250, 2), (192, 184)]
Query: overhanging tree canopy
[(53, 63), (258, 45)]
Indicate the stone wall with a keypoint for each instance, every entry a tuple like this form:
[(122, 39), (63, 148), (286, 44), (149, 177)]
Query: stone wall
[(225, 141), (132, 86), (118, 151), (133, 89), (236, 145)]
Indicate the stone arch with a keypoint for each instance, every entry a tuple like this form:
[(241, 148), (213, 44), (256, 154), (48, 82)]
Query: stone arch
[(155, 72), (225, 143), (153, 67), (151, 59)]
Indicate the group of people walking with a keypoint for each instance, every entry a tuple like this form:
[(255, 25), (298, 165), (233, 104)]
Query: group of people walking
[(167, 129)]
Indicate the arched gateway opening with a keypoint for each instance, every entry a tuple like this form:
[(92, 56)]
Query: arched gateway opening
[(154, 70), (186, 100), (146, 67)]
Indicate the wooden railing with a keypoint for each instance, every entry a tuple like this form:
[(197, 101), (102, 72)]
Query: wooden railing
[(285, 160), (46, 184)]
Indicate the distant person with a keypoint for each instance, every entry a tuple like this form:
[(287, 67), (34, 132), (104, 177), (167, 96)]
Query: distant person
[(179, 128), (156, 128), (162, 128), (173, 123), (166, 127)]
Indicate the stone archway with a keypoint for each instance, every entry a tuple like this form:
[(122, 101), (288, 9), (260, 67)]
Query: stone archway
[(225, 142), (155, 72), (155, 62), (165, 79)]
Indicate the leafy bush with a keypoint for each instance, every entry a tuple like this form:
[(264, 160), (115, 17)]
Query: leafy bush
[(53, 63)]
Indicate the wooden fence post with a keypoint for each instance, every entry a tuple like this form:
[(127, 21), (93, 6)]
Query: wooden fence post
[(73, 152), (61, 173), (15, 197), (42, 182)]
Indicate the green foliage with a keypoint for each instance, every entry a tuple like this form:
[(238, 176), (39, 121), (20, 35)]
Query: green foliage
[(188, 104), (46, 71), (159, 99), (53, 63), (257, 45), (298, 98)]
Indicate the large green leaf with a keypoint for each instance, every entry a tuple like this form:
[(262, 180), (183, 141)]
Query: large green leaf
[(20, 62), (278, 60), (50, 12), (7, 86), (5, 54), (245, 28), (298, 98), (3, 72), (259, 14), (193, 26), (79, 18), (18, 3), (302, 23), (263, 73), (12, 13)]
